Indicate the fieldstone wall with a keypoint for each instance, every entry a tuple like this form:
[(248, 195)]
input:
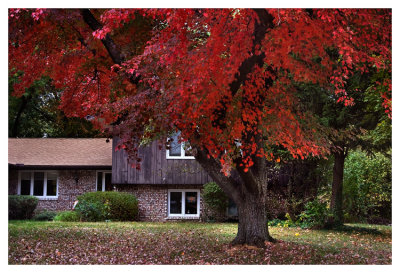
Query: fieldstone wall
[(153, 200), (68, 188)]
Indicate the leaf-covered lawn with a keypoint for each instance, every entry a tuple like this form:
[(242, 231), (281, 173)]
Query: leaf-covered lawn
[(190, 243)]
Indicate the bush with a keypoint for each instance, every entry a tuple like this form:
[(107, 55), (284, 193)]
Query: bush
[(92, 211), (21, 207), (283, 223), (214, 197), (67, 216), (216, 203), (367, 187), (100, 206), (44, 215), (315, 215)]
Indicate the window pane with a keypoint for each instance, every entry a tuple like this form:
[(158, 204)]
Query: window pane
[(108, 181), (51, 184), (99, 181), (38, 183), (25, 183), (191, 203), (175, 203), (175, 147)]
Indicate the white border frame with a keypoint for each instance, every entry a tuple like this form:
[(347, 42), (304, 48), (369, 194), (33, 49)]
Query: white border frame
[(103, 179), (183, 203), (32, 172)]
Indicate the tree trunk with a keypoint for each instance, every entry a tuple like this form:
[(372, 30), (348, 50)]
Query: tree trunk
[(248, 191), (252, 227), (337, 188), (17, 119)]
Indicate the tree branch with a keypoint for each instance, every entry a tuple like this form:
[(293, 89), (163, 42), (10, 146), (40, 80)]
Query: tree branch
[(261, 27), (108, 43), (228, 184)]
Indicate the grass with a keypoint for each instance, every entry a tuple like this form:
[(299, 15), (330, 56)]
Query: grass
[(191, 243)]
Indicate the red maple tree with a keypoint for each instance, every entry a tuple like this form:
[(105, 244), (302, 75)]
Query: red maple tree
[(224, 78)]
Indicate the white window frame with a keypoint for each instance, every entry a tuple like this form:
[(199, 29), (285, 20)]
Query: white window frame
[(103, 179), (182, 156), (32, 172), (183, 215)]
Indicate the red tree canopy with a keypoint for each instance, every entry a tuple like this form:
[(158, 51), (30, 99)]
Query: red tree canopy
[(223, 77)]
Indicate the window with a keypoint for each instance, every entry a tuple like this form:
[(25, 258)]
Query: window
[(42, 184), (184, 203), (103, 182), (178, 150), (25, 183)]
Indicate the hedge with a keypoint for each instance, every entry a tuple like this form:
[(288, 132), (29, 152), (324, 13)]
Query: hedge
[(44, 215), (109, 205), (67, 216), (21, 207)]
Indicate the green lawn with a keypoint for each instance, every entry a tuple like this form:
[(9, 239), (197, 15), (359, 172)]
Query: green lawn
[(191, 243)]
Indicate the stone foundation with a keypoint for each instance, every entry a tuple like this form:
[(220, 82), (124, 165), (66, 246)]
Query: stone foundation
[(68, 188), (153, 201)]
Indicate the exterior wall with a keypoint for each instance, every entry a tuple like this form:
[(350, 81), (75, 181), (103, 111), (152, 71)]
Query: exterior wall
[(68, 189), (155, 168), (153, 200), (12, 181)]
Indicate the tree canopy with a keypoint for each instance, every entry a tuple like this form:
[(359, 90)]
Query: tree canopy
[(225, 78), (220, 76)]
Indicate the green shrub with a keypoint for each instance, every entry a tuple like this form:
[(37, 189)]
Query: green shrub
[(315, 215), (67, 216), (214, 197), (44, 215), (21, 207), (283, 223), (367, 187), (92, 211), (100, 206)]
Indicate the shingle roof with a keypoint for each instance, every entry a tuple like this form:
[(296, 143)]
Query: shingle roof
[(60, 152)]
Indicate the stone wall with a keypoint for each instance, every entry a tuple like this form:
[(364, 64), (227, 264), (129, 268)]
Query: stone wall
[(153, 200), (68, 189)]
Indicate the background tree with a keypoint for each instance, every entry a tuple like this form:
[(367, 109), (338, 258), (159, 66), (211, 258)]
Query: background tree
[(367, 188), (36, 114), (352, 126), (222, 77)]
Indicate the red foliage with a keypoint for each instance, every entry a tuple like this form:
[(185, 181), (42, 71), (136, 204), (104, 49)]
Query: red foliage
[(188, 63)]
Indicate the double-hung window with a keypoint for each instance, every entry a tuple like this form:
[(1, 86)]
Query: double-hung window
[(178, 150), (183, 203), (42, 184)]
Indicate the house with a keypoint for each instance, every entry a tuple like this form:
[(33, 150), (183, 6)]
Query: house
[(57, 170), (168, 185)]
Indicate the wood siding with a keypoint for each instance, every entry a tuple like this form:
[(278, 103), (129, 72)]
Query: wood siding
[(156, 169)]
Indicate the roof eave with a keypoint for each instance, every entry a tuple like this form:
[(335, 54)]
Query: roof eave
[(59, 167)]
